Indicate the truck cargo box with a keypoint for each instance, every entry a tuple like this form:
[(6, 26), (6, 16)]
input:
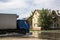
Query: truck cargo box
[(8, 21)]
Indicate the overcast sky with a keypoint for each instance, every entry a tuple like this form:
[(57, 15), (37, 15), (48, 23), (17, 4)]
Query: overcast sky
[(24, 7)]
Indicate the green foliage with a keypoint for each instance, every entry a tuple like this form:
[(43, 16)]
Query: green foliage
[(44, 19)]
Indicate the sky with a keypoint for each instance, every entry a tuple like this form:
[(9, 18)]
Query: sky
[(23, 8)]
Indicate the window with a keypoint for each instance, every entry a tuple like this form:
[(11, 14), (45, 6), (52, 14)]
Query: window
[(35, 25)]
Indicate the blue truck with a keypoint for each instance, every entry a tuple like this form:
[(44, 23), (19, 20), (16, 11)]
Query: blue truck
[(23, 26), (10, 24)]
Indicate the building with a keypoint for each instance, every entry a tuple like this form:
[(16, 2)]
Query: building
[(33, 19), (55, 19)]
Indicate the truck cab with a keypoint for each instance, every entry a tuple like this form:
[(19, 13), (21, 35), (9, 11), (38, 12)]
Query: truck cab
[(23, 26)]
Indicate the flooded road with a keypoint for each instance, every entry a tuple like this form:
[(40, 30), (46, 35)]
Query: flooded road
[(48, 35)]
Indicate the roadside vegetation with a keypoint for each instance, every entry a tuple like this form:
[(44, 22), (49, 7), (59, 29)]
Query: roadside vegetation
[(44, 20)]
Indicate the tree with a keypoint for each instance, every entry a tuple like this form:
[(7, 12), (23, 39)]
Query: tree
[(44, 19)]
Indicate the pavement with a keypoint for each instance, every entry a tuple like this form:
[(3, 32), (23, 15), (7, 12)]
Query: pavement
[(18, 38), (28, 35)]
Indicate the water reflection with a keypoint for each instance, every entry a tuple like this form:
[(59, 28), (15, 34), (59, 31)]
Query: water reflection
[(49, 35)]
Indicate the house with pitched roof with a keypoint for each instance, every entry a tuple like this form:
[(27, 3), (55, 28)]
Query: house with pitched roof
[(33, 19), (55, 19)]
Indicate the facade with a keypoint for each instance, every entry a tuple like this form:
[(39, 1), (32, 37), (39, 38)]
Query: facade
[(58, 17), (35, 20), (55, 19)]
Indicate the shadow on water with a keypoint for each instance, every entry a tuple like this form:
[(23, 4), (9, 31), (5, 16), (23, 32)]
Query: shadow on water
[(49, 35)]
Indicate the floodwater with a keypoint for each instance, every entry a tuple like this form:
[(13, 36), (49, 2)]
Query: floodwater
[(52, 35)]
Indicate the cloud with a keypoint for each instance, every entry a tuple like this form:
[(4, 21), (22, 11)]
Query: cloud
[(5, 0), (13, 4), (20, 7), (49, 4), (24, 7), (43, 3), (56, 4), (18, 4)]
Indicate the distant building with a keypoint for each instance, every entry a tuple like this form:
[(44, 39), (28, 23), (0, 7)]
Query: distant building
[(55, 19), (33, 19)]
